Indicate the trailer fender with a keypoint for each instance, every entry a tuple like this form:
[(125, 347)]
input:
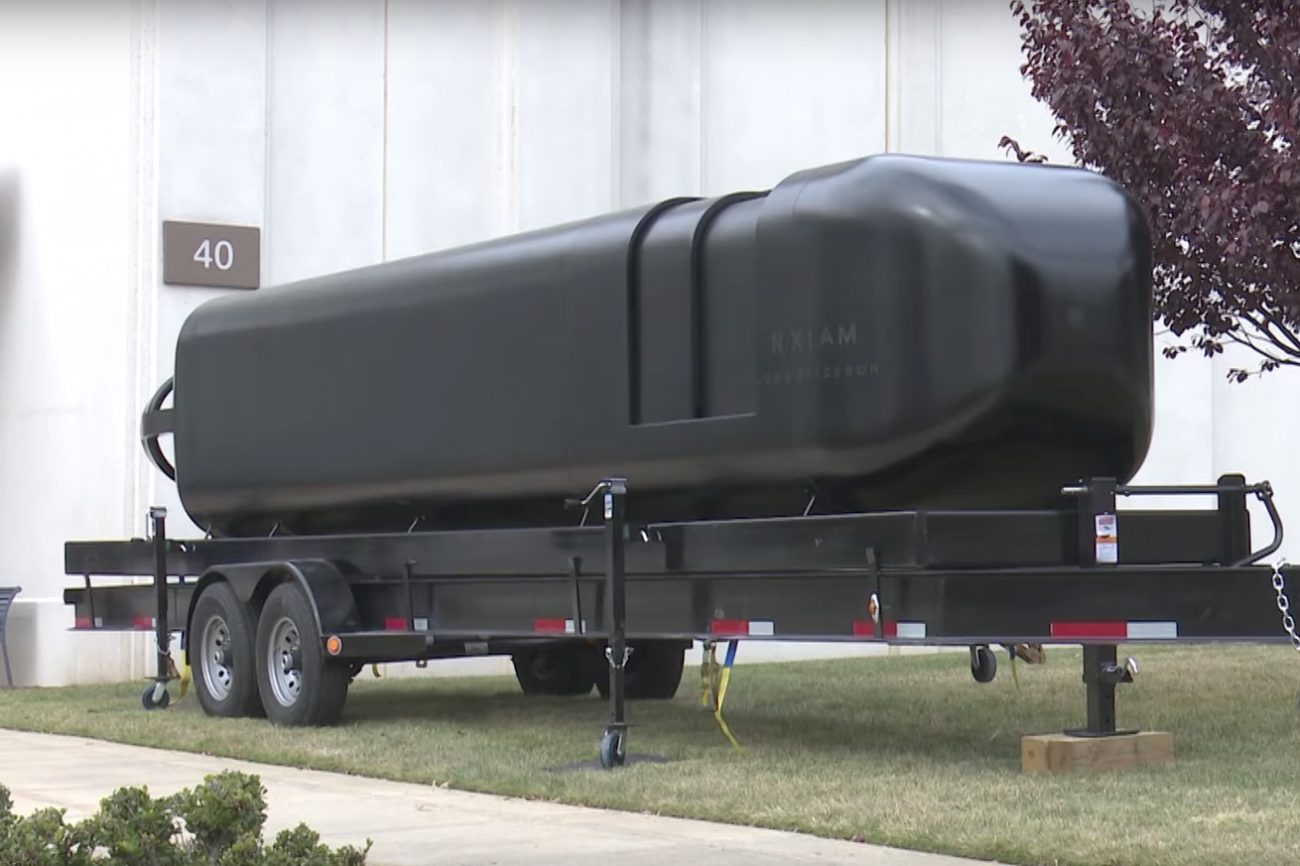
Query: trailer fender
[(326, 586)]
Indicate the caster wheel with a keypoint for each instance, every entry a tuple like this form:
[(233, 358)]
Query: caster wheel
[(147, 699), (983, 664), (611, 749)]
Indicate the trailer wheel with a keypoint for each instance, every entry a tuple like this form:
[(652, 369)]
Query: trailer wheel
[(983, 664), (147, 699), (225, 677), (299, 685), (653, 673), (555, 670), (611, 749)]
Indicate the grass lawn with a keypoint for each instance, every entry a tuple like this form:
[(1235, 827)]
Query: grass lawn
[(904, 751)]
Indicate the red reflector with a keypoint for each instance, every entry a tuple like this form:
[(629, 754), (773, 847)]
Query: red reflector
[(548, 625), (142, 622), (1090, 629), (890, 629), (729, 626), (864, 628), (395, 623), (84, 622)]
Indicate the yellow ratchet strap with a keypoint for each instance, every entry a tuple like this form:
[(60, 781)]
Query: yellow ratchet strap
[(714, 682), (183, 675), (709, 673)]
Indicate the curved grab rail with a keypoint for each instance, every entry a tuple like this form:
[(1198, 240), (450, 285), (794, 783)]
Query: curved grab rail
[(154, 422), (1263, 491)]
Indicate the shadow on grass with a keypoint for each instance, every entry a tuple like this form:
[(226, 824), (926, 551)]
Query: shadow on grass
[(948, 718)]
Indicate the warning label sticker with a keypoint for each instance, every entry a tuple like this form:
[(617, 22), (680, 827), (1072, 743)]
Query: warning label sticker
[(1107, 539)]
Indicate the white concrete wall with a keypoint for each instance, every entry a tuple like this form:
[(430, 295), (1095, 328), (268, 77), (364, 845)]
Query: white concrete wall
[(354, 132), (68, 305)]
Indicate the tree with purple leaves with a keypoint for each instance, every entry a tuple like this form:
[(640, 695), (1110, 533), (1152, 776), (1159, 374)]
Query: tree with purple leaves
[(1194, 107)]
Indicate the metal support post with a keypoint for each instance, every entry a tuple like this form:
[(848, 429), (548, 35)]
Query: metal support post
[(1101, 695), (155, 696), (1099, 547), (1234, 519), (1102, 672), (1098, 525), (613, 743)]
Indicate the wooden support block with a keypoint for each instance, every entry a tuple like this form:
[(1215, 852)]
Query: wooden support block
[(1062, 753)]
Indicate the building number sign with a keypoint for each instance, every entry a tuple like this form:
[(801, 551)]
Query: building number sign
[(205, 254), (221, 254)]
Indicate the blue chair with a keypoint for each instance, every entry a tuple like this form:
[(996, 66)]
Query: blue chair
[(7, 594)]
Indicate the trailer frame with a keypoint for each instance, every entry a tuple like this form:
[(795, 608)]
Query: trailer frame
[(1084, 573)]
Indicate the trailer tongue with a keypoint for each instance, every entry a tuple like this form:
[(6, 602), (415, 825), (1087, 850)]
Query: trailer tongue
[(894, 400)]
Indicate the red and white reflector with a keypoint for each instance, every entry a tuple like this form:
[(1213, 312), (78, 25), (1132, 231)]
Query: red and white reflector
[(395, 623), (906, 630), (743, 627), (143, 622), (564, 626), (551, 625), (1118, 629), (909, 631)]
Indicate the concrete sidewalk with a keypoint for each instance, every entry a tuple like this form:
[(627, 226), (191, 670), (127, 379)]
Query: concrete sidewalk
[(419, 824)]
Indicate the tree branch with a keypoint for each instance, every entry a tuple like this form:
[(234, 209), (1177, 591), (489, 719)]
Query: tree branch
[(1243, 340), (1286, 330), (1263, 327)]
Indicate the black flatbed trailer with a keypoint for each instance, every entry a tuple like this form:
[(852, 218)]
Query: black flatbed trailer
[(1082, 573)]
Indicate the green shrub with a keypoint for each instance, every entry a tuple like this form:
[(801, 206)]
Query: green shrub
[(217, 823)]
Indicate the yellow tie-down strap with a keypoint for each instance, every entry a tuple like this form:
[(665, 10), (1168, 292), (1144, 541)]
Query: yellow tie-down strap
[(183, 675), (714, 679)]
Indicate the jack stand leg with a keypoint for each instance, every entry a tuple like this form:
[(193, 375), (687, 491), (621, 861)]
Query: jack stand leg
[(1101, 673), (613, 744), (155, 696)]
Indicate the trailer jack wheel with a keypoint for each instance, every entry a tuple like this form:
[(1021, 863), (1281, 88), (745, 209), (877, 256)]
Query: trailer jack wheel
[(612, 748), (983, 664), (155, 698)]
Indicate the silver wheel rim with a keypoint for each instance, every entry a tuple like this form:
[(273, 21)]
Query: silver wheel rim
[(218, 673), (283, 661)]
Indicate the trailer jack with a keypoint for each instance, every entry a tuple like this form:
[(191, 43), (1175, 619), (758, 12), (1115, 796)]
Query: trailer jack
[(1101, 674), (613, 742), (155, 696)]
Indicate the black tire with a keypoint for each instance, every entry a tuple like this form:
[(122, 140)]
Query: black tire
[(611, 749), (558, 670), (147, 701), (225, 677), (306, 687), (983, 664), (653, 673)]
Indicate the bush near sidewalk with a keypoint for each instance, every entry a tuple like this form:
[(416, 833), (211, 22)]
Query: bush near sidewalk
[(217, 823)]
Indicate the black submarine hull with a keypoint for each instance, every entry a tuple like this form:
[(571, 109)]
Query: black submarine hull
[(890, 332)]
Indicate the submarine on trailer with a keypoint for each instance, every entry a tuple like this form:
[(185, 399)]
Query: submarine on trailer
[(889, 332)]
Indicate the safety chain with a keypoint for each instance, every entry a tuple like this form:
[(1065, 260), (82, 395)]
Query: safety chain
[(1284, 605)]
